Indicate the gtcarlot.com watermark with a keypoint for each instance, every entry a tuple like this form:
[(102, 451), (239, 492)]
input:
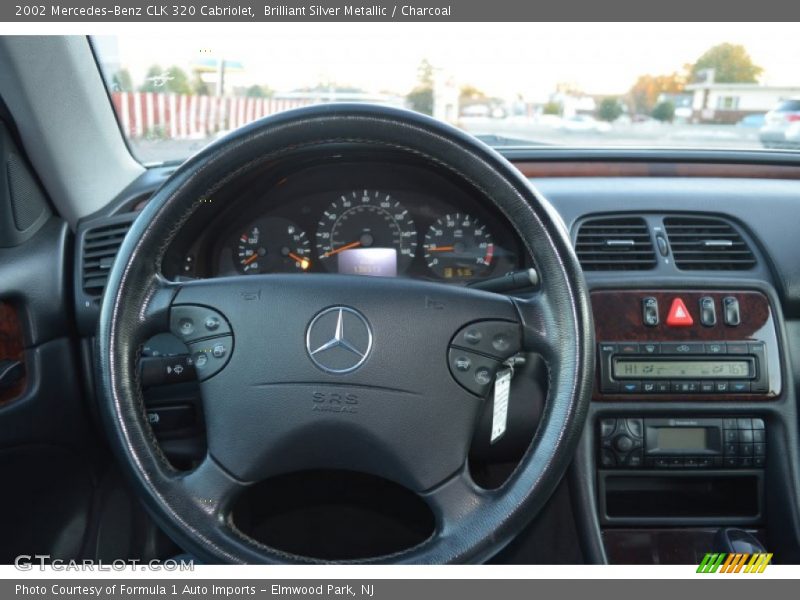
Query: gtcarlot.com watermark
[(43, 562)]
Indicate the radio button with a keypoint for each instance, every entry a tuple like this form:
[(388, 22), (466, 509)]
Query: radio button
[(746, 436), (731, 461), (682, 348), (676, 462), (607, 427), (634, 459), (744, 423), (759, 449), (740, 387), (730, 449), (661, 463), (758, 423), (707, 387), (746, 462), (745, 449), (704, 463), (731, 436), (729, 423), (759, 461), (759, 436), (708, 314), (623, 443), (691, 462), (635, 427), (607, 459), (716, 348)]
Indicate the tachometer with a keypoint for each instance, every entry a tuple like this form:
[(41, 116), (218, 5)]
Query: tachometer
[(273, 245), (458, 246), (366, 232)]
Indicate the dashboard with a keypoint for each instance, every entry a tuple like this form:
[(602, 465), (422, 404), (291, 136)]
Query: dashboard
[(378, 219)]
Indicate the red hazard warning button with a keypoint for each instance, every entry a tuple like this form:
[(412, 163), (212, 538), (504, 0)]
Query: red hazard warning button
[(679, 315)]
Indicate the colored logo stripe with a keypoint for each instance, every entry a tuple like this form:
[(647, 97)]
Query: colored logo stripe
[(734, 563)]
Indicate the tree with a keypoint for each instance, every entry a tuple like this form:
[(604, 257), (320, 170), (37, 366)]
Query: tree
[(172, 80), (258, 91), (731, 64), (664, 111), (551, 108), (645, 92), (609, 110), (121, 81), (469, 94), (420, 98)]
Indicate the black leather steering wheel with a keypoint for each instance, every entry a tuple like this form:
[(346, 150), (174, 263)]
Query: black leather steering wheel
[(270, 350)]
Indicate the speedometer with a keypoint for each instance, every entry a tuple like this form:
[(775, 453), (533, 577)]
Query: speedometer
[(366, 232)]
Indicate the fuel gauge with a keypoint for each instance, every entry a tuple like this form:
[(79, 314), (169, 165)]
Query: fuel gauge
[(273, 245)]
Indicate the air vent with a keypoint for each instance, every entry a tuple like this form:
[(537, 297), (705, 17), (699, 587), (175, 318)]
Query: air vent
[(615, 244), (100, 246), (706, 244)]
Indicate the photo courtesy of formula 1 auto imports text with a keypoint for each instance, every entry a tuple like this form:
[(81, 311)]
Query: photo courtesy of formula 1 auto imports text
[(326, 300)]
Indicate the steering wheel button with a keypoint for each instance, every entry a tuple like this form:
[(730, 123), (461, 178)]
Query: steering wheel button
[(498, 339), (186, 327), (218, 351), (483, 376), (473, 336), (200, 360), (190, 322), (463, 364)]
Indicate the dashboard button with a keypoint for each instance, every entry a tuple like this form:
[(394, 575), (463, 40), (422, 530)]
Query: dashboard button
[(746, 436), (628, 348), (607, 459), (759, 461), (649, 348), (759, 436), (730, 461), (662, 387), (744, 423), (707, 387), (678, 315), (649, 387), (716, 348), (682, 348), (630, 387), (730, 306), (731, 436), (746, 462), (745, 449), (759, 449), (730, 449), (708, 313), (721, 387), (650, 311), (758, 423), (607, 427), (739, 387), (737, 348)]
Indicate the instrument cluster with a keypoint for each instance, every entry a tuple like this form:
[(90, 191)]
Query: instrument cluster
[(400, 221)]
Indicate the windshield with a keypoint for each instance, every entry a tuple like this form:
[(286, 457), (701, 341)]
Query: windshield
[(584, 85)]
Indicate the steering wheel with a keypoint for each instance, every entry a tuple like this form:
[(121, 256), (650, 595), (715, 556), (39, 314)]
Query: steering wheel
[(386, 376)]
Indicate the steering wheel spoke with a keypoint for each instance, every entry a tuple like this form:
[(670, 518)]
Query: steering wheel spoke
[(211, 488)]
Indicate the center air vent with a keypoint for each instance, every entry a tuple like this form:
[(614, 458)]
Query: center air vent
[(615, 244), (100, 246), (705, 244)]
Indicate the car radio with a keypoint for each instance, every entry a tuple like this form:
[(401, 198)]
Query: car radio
[(683, 368), (682, 443)]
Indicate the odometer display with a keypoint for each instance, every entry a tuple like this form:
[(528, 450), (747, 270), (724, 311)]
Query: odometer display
[(458, 246), (363, 225)]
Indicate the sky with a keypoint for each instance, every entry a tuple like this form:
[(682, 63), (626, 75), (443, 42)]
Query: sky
[(502, 59)]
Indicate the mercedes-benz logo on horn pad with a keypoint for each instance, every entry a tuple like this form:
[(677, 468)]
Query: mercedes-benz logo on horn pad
[(339, 339)]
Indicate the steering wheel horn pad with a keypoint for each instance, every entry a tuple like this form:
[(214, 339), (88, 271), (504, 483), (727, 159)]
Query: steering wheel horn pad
[(330, 371)]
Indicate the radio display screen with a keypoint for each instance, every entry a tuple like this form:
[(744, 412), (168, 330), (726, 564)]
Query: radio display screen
[(681, 369), (681, 438)]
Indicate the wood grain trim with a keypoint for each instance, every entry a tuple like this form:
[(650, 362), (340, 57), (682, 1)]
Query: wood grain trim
[(545, 169), (618, 318), (11, 347)]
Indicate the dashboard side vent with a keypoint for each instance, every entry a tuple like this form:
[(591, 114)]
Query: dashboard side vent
[(100, 247), (615, 244), (705, 244)]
